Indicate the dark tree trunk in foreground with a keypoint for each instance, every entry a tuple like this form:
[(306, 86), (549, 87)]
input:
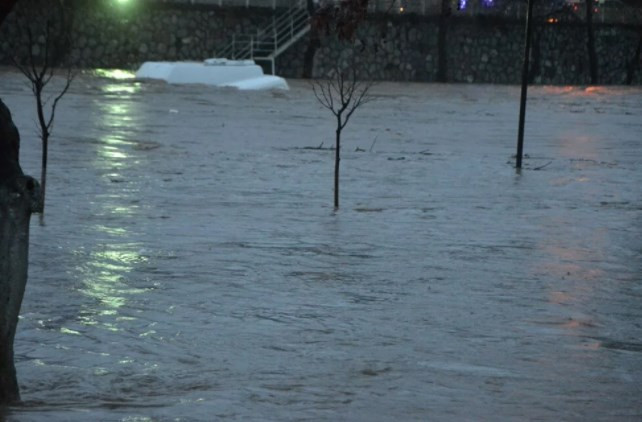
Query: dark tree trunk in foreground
[(19, 198), (591, 42)]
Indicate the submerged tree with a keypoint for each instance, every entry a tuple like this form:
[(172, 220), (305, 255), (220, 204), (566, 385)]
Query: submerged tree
[(45, 48), (342, 93)]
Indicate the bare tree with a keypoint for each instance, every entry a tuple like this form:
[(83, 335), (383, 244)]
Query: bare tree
[(39, 67), (342, 93)]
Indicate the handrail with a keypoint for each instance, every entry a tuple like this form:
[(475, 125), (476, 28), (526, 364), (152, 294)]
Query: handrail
[(267, 41)]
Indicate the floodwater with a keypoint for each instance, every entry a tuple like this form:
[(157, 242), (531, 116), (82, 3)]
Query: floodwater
[(192, 267)]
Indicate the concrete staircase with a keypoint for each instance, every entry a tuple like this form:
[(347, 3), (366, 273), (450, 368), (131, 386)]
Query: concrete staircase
[(272, 40)]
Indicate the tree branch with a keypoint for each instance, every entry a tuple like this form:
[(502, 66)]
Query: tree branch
[(70, 77)]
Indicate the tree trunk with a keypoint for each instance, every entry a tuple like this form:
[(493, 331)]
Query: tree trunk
[(442, 51), (44, 135), (308, 56), (337, 159), (524, 93), (591, 43), (19, 198), (43, 174), (634, 64)]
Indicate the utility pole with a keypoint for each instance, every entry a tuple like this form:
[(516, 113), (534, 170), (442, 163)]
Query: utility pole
[(522, 103)]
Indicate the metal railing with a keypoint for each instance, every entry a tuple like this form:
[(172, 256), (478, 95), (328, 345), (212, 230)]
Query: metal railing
[(270, 41), (285, 29)]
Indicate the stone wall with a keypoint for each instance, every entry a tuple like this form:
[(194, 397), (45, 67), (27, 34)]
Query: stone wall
[(398, 47), (394, 48), (105, 34)]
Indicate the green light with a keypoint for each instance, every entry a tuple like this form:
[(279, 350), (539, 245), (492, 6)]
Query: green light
[(115, 73)]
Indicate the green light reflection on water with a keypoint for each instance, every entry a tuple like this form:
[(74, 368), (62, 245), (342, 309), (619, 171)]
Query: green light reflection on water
[(106, 281), (119, 112), (117, 117), (120, 89), (119, 74), (113, 153), (116, 231), (109, 270)]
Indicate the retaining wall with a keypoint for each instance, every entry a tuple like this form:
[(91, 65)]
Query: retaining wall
[(397, 47)]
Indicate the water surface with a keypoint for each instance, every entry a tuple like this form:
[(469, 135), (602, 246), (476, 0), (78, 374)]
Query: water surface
[(192, 267)]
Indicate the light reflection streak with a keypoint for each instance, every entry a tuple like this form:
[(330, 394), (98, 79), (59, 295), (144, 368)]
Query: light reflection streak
[(575, 91), (552, 89), (579, 147), (107, 271), (117, 117), (106, 280), (575, 262), (120, 89), (571, 268), (114, 74)]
